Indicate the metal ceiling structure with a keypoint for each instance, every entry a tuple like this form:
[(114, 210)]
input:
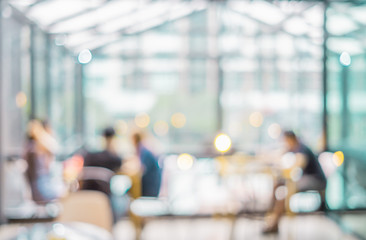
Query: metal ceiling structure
[(95, 24), (92, 24)]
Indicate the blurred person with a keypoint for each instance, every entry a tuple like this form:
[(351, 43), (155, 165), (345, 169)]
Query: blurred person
[(151, 172), (98, 170), (312, 178), (106, 159), (40, 151)]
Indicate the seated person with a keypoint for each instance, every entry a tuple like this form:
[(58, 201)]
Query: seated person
[(151, 172), (107, 161), (312, 178)]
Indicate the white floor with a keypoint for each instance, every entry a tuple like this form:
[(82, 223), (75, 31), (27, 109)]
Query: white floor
[(309, 227)]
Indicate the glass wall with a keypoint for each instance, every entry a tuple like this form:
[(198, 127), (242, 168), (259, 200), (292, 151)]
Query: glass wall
[(38, 81), (16, 80), (39, 78), (247, 68), (345, 101), (223, 68)]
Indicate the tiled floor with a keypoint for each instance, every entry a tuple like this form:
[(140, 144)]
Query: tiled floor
[(310, 227)]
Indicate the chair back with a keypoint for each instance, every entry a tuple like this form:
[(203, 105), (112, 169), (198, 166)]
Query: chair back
[(96, 178), (89, 207)]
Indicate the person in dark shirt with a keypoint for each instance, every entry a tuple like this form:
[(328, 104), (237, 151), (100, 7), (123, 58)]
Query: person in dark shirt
[(99, 167), (312, 177)]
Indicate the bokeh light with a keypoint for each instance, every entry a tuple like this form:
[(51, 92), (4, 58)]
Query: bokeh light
[(21, 99), (178, 120), (222, 142), (185, 161), (345, 59), (338, 158), (296, 174), (327, 163), (142, 120), (85, 56), (256, 119), (161, 128), (120, 184), (59, 229), (121, 127), (288, 160), (281, 192), (274, 130)]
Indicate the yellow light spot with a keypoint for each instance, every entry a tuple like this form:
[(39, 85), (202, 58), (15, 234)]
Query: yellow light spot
[(222, 142), (21, 99), (185, 161), (121, 127), (274, 130), (338, 158), (256, 119), (161, 128), (178, 120), (142, 120)]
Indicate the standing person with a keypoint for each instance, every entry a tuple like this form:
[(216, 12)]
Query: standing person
[(107, 161), (312, 178), (40, 153), (107, 158), (151, 172)]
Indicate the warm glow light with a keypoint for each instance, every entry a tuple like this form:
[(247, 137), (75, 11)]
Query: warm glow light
[(256, 119), (338, 158), (222, 142), (345, 59), (274, 130), (161, 128), (85, 56), (178, 120), (185, 161), (121, 127), (21, 99), (142, 120)]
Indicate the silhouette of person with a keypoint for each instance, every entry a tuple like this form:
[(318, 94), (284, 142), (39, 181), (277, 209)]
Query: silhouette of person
[(312, 177), (151, 172)]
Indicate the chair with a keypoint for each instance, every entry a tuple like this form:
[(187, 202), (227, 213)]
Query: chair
[(309, 199), (96, 178), (89, 207)]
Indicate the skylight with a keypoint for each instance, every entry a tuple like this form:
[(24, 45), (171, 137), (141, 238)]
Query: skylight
[(107, 12), (48, 12)]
